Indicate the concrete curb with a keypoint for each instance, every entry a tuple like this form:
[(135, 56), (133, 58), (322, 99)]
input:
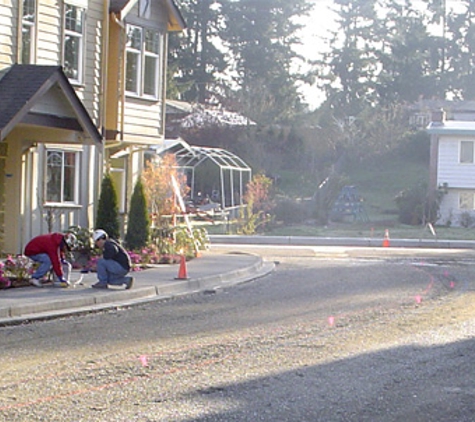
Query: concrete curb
[(91, 300), (339, 241)]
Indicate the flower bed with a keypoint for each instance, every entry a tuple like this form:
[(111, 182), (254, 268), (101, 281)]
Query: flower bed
[(15, 271)]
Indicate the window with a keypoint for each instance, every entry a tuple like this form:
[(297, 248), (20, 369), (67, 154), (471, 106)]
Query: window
[(61, 176), (73, 42), (466, 152), (142, 71), (466, 201), (28, 37)]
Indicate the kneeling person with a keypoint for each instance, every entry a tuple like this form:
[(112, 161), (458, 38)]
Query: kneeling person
[(49, 251), (115, 263)]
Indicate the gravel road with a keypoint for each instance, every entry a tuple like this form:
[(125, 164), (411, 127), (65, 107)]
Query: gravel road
[(320, 339)]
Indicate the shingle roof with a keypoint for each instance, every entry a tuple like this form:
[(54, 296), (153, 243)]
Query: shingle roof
[(22, 85), (117, 5), (18, 85)]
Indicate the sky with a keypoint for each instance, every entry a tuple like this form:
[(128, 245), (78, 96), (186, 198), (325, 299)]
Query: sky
[(317, 26)]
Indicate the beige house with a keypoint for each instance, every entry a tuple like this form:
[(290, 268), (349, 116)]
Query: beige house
[(82, 91)]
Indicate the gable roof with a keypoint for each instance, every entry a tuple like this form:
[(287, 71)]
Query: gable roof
[(175, 18), (23, 86)]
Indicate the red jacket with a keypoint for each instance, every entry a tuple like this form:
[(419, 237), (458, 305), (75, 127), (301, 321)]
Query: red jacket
[(50, 244)]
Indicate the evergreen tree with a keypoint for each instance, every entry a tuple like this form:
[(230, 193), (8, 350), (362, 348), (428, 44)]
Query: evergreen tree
[(460, 52), (138, 223), (261, 35), (348, 71), (194, 55), (107, 217), (411, 59)]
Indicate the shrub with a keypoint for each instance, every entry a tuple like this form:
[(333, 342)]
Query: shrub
[(107, 209), (290, 212), (415, 207), (138, 227), (467, 220), (84, 239)]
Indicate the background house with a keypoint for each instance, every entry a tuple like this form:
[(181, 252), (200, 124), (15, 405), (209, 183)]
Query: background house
[(452, 168), (420, 112), (82, 89)]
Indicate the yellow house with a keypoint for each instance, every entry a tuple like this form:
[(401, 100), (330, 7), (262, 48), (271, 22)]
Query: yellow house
[(81, 90), (136, 85)]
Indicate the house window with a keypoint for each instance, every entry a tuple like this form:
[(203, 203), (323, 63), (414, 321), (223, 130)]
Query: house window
[(142, 72), (466, 152), (28, 25), (62, 176), (467, 201), (73, 42)]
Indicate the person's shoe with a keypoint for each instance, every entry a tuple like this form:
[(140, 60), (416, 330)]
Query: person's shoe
[(64, 284), (35, 282), (99, 285), (129, 283)]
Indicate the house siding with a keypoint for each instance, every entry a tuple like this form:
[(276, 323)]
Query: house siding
[(143, 118), (450, 171), (49, 49), (450, 212), (8, 33)]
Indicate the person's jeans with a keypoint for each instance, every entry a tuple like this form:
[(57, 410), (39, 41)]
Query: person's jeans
[(45, 265), (110, 272)]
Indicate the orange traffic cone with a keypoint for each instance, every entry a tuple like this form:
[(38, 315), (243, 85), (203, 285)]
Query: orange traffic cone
[(182, 273), (386, 239)]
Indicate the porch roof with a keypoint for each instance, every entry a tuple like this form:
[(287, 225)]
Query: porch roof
[(22, 87)]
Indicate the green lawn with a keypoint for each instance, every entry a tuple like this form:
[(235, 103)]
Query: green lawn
[(378, 182)]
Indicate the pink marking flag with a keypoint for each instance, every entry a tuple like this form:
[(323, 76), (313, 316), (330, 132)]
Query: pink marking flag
[(144, 360)]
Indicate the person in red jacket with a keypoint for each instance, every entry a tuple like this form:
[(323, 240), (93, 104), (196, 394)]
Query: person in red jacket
[(49, 251)]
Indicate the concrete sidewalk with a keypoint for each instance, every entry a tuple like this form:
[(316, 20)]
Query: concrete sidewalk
[(213, 270)]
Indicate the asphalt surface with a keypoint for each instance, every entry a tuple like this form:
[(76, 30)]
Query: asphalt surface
[(212, 270), (217, 268)]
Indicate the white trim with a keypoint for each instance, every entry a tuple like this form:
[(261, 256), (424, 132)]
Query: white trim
[(77, 3)]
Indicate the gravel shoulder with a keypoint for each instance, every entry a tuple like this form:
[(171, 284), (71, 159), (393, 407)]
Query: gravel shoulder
[(266, 351)]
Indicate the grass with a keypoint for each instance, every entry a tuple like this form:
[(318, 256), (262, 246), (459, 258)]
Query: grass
[(378, 182)]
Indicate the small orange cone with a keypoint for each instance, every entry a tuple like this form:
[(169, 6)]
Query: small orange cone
[(386, 239), (182, 273)]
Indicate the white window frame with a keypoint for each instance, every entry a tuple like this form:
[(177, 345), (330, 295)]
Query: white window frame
[(28, 31), (143, 54), (79, 36), (75, 194), (464, 154)]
